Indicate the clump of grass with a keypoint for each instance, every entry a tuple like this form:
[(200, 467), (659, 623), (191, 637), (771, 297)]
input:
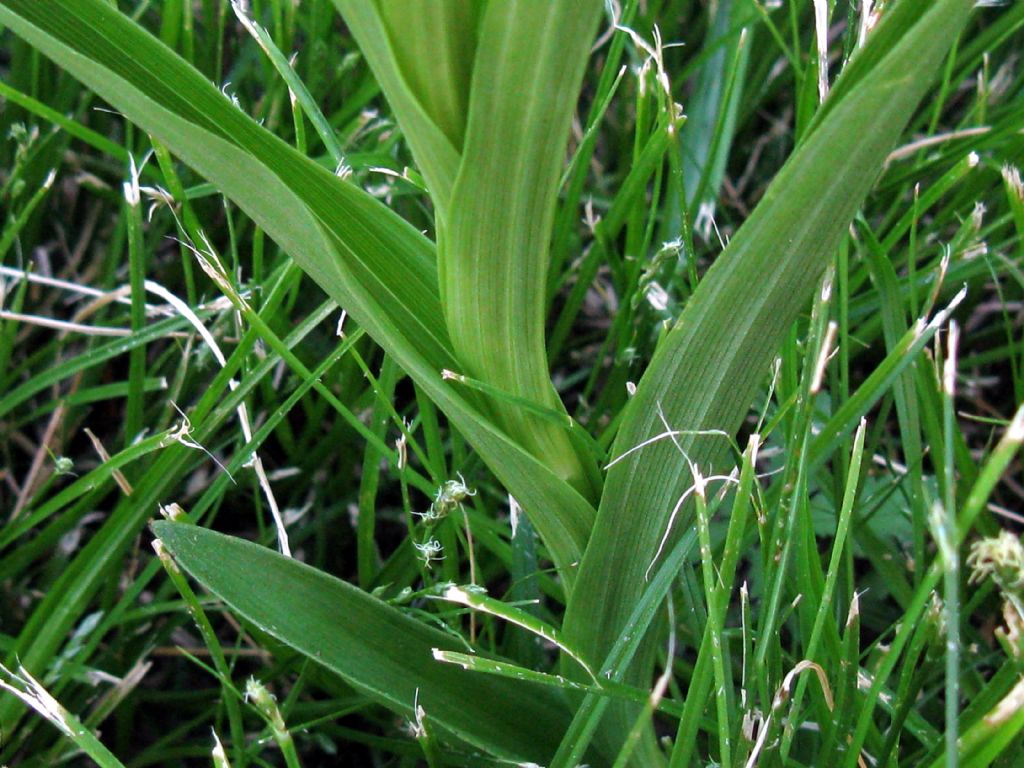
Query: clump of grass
[(606, 400)]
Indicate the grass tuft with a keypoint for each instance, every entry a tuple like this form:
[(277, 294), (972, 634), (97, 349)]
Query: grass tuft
[(475, 384)]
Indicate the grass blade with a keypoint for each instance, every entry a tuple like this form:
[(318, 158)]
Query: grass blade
[(443, 32)]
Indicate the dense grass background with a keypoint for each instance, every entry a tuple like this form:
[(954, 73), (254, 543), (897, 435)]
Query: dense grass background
[(98, 369)]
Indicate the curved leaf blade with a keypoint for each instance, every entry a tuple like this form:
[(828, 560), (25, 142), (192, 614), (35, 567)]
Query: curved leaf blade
[(707, 371), (443, 32), (495, 246), (376, 648), (434, 150)]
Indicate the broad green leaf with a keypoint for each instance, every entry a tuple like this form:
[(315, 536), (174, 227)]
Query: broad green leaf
[(376, 648), (495, 247), (417, 113), (707, 370), (443, 33), (364, 256), (508, 113)]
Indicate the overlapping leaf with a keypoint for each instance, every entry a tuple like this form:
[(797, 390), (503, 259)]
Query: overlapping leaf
[(496, 247), (444, 33), (505, 112), (376, 648), (708, 369), (423, 119), (367, 258)]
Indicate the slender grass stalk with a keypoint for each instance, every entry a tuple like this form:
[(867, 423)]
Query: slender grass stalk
[(716, 607), (296, 88), (948, 541), (209, 636), (824, 607), (263, 701), (24, 688), (137, 272), (971, 508), (702, 678), (14, 226)]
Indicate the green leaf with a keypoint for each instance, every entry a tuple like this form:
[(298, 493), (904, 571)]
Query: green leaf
[(711, 115), (508, 113), (707, 370), (380, 269), (417, 111), (376, 648), (495, 245), (443, 33)]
